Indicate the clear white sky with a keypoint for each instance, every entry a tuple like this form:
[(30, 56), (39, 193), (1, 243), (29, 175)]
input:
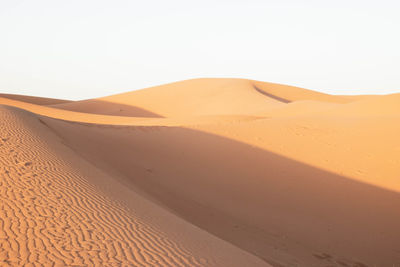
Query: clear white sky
[(87, 48)]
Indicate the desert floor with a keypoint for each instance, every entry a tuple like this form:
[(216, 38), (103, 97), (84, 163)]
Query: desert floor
[(203, 172)]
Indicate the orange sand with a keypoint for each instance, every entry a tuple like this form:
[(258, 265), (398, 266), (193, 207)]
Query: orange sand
[(204, 172)]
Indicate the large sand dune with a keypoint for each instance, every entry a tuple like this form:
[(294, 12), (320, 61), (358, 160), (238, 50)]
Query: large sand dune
[(205, 172)]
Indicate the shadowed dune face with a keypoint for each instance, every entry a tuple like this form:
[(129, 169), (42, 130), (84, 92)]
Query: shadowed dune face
[(283, 100), (102, 107), (281, 210)]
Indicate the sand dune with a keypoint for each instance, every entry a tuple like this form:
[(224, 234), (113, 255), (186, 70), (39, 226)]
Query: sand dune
[(94, 118), (35, 99), (96, 106), (58, 209), (378, 106), (211, 96), (204, 172)]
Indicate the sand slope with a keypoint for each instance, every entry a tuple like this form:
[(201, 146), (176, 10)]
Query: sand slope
[(287, 176), (59, 209), (266, 203)]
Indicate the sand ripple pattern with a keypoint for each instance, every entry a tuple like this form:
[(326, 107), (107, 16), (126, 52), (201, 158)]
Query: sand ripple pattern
[(53, 216)]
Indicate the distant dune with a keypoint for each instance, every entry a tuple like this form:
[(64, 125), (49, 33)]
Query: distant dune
[(203, 172), (34, 99)]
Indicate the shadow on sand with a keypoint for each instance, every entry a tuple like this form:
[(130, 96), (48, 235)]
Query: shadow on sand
[(284, 211)]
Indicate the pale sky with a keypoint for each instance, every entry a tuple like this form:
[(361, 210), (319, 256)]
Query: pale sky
[(79, 49)]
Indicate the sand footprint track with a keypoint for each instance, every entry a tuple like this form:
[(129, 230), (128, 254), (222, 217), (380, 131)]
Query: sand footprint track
[(52, 212)]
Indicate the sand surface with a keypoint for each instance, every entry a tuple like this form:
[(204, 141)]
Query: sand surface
[(204, 172)]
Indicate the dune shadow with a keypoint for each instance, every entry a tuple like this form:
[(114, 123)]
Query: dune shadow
[(102, 107), (282, 210), (280, 99)]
